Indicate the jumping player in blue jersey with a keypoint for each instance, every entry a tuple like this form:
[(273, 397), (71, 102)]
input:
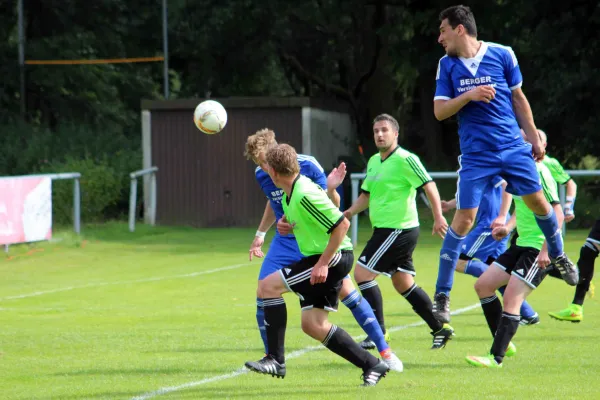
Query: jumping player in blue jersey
[(481, 83), (284, 250), (480, 249)]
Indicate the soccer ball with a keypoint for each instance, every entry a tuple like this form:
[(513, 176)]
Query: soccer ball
[(210, 117)]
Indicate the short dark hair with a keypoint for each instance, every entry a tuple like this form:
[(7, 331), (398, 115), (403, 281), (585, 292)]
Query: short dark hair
[(460, 15), (388, 118)]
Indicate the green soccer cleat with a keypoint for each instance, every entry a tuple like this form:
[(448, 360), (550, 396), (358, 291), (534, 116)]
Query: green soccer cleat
[(485, 361), (573, 313), (511, 350)]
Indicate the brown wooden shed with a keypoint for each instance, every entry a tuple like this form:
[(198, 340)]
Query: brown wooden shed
[(204, 180)]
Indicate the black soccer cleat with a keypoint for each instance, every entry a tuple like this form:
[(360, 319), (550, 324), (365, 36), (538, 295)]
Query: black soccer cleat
[(267, 365), (441, 337), (373, 375), (367, 344), (568, 270), (441, 307)]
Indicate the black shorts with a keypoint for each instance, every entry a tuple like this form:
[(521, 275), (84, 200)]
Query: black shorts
[(521, 262), (465, 257), (389, 251), (594, 235), (322, 295)]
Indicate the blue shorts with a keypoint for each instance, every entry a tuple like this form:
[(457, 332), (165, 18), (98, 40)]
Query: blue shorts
[(480, 244), (514, 164), (283, 252)]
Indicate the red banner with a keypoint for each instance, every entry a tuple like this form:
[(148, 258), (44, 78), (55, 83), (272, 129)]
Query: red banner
[(25, 209)]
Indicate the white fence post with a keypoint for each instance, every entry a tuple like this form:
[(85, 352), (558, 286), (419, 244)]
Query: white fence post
[(133, 196)]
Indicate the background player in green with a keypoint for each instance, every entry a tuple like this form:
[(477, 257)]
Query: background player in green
[(320, 229), (561, 177), (389, 190), (521, 268)]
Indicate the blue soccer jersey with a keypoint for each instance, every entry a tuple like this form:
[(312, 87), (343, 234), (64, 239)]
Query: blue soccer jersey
[(309, 167), (483, 126)]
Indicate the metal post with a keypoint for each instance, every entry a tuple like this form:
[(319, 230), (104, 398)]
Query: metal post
[(153, 199), (132, 204), (21, 33), (76, 207), (165, 49), (562, 195), (354, 225)]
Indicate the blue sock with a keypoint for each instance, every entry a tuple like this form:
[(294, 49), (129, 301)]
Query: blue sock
[(549, 226), (260, 319), (448, 258), (526, 310), (363, 313), (475, 268)]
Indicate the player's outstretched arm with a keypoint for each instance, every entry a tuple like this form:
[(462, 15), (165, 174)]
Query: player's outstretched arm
[(335, 179), (440, 225), (524, 116), (448, 205), (267, 220), (361, 204), (319, 272), (501, 232), (570, 203), (504, 207)]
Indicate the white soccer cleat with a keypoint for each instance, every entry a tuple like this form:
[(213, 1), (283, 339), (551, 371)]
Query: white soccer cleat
[(393, 362)]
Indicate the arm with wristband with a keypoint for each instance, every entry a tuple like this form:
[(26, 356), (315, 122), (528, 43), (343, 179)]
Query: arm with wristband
[(267, 220)]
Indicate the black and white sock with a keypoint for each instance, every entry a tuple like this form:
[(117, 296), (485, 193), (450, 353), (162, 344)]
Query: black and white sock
[(421, 303), (339, 342), (587, 257), (370, 291), (506, 331), (492, 309), (275, 324)]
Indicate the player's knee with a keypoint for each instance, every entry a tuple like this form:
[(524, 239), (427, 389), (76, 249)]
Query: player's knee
[(462, 222), (267, 290), (360, 274), (312, 327), (483, 288), (537, 203), (402, 281)]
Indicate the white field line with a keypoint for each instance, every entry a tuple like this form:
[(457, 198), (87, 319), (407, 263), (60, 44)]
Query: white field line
[(293, 354), (99, 284)]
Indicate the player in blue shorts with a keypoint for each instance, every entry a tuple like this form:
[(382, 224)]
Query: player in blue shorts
[(284, 250), (480, 249), (480, 82)]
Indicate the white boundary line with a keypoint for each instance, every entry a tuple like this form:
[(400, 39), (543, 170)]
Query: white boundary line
[(99, 284), (294, 354)]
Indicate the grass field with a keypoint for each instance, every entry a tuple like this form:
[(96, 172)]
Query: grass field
[(168, 313)]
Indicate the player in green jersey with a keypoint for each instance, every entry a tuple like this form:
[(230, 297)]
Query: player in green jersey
[(562, 178), (320, 229), (521, 268), (389, 190)]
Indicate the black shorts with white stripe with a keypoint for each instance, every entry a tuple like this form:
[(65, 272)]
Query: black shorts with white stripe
[(322, 295), (521, 262), (390, 251)]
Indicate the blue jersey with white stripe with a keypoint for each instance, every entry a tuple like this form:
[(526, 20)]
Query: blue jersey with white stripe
[(483, 126), (309, 167), (491, 200)]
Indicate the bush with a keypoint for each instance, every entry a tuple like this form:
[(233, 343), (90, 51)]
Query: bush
[(100, 189)]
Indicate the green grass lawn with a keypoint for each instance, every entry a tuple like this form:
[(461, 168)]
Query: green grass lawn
[(169, 313)]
